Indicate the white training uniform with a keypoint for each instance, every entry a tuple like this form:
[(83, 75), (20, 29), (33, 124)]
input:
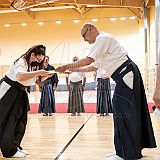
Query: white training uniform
[(75, 76), (109, 54), (100, 73), (19, 67)]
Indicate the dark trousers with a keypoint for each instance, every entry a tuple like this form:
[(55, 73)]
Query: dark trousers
[(104, 104), (13, 120), (132, 124), (126, 134), (12, 131)]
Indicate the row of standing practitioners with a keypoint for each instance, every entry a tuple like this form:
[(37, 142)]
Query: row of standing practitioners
[(132, 133), (75, 84)]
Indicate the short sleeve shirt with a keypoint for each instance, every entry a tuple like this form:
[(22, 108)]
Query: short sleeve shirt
[(108, 53), (76, 76), (19, 67)]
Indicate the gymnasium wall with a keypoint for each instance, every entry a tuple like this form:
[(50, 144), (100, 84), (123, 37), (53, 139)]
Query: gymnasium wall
[(63, 41)]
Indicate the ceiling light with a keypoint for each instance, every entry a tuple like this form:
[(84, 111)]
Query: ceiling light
[(123, 18), (76, 21), (58, 22), (40, 23), (113, 19), (7, 25), (94, 20), (23, 24), (133, 17)]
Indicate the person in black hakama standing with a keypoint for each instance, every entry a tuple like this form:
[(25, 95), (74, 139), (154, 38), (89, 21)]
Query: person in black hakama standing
[(48, 87), (104, 103), (132, 124)]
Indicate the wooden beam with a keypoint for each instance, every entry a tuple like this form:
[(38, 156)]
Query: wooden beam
[(29, 13), (87, 10), (121, 3), (80, 9), (136, 12), (84, 10), (151, 3), (4, 1), (117, 3), (146, 2), (108, 3)]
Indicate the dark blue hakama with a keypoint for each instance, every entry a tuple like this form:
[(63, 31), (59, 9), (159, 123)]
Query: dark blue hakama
[(104, 104)]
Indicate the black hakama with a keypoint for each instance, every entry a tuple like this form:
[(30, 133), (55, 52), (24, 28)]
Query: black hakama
[(47, 101), (104, 104), (13, 117), (132, 123)]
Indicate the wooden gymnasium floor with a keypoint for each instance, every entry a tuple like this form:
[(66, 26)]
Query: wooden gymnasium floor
[(46, 137)]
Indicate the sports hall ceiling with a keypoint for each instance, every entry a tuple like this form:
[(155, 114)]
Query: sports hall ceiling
[(80, 6)]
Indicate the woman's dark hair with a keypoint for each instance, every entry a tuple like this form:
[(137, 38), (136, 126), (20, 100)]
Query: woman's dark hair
[(37, 50), (47, 57)]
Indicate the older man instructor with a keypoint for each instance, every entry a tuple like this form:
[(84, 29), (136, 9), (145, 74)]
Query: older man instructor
[(132, 125)]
